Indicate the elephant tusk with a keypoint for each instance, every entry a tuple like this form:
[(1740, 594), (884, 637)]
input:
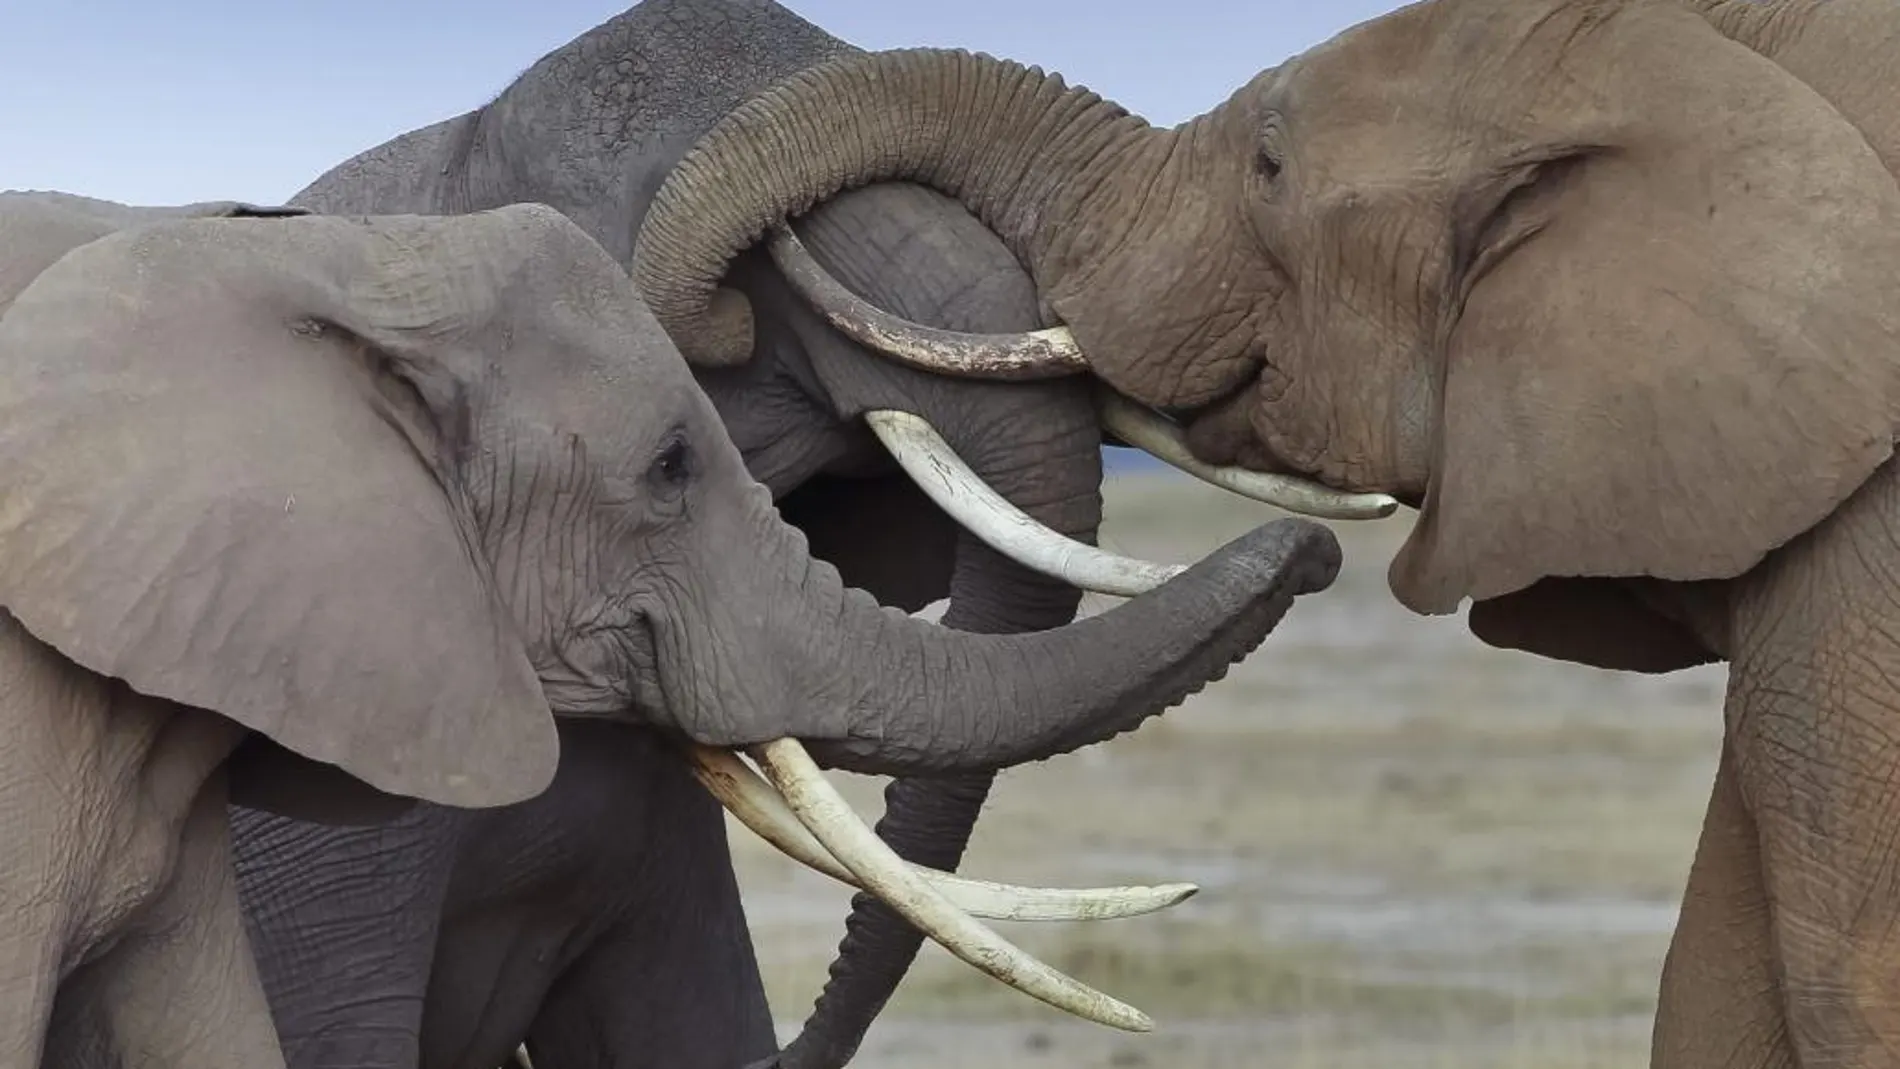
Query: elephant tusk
[(820, 808), (1037, 354), (1002, 526), (760, 808), (1155, 434), (1043, 354)]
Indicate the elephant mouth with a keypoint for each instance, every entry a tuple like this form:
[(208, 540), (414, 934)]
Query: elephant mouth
[(649, 703)]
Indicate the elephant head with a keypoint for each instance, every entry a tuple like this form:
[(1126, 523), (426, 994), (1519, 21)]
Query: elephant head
[(1601, 291), (388, 490)]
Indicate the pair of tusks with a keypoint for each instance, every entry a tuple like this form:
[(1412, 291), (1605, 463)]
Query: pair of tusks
[(1042, 354), (805, 817)]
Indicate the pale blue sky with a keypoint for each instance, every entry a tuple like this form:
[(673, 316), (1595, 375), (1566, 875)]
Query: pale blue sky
[(181, 100)]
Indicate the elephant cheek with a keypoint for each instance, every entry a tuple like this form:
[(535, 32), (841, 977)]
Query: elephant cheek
[(1224, 434), (1358, 418)]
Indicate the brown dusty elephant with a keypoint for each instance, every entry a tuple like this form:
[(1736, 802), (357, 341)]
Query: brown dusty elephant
[(384, 492), (1604, 288)]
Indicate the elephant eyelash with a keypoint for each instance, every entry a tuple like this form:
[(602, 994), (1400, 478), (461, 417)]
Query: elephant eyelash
[(1266, 165), (672, 467), (672, 464), (1268, 161)]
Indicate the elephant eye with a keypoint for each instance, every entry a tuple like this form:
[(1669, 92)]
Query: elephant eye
[(1266, 164), (1268, 160), (672, 467)]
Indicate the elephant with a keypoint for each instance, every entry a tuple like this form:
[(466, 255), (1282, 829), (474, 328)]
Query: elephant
[(1602, 288), (392, 493), (828, 426)]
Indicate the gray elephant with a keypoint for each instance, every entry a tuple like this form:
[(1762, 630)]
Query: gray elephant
[(600, 921), (1603, 287), (592, 129), (387, 491)]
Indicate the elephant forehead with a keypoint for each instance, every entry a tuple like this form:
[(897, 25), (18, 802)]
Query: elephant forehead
[(1441, 58), (614, 385)]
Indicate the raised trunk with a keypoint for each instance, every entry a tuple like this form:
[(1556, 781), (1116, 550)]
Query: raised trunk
[(1137, 237), (870, 689), (1021, 149)]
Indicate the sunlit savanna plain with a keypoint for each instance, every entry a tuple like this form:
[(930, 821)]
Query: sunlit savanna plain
[(1414, 850)]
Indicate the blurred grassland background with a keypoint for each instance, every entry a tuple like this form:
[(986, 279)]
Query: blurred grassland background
[(1414, 850)]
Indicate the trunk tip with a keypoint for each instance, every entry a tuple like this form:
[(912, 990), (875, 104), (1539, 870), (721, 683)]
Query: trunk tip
[(1294, 556)]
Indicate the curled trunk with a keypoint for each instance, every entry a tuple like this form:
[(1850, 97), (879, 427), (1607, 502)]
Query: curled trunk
[(1016, 146), (1137, 238)]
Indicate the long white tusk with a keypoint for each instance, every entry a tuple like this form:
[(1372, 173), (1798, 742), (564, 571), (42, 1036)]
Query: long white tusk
[(760, 808), (820, 808), (1036, 354), (1150, 432), (929, 460)]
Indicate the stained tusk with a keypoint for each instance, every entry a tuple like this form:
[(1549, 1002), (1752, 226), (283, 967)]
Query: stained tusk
[(1002, 526), (1036, 354), (1153, 433), (819, 807), (760, 808), (1045, 354)]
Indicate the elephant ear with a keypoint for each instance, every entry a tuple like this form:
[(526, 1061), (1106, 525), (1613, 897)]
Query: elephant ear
[(36, 229), (231, 484), (1694, 360)]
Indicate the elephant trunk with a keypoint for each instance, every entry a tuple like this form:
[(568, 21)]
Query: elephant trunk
[(871, 689), (1019, 148), (929, 821), (1036, 445), (899, 696), (877, 691)]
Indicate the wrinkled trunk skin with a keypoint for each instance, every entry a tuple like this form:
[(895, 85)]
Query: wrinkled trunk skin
[(1096, 203), (784, 649)]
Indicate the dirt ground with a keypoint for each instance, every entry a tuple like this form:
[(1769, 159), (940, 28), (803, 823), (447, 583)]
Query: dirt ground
[(1414, 850)]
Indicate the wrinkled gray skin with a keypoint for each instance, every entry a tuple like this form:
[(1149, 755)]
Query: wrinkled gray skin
[(591, 129), (387, 491), (600, 922)]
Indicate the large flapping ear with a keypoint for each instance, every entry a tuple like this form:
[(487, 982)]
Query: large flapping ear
[(1695, 359), (226, 486), (38, 228)]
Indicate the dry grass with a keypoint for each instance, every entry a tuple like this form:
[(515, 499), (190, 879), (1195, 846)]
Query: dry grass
[(1414, 851)]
